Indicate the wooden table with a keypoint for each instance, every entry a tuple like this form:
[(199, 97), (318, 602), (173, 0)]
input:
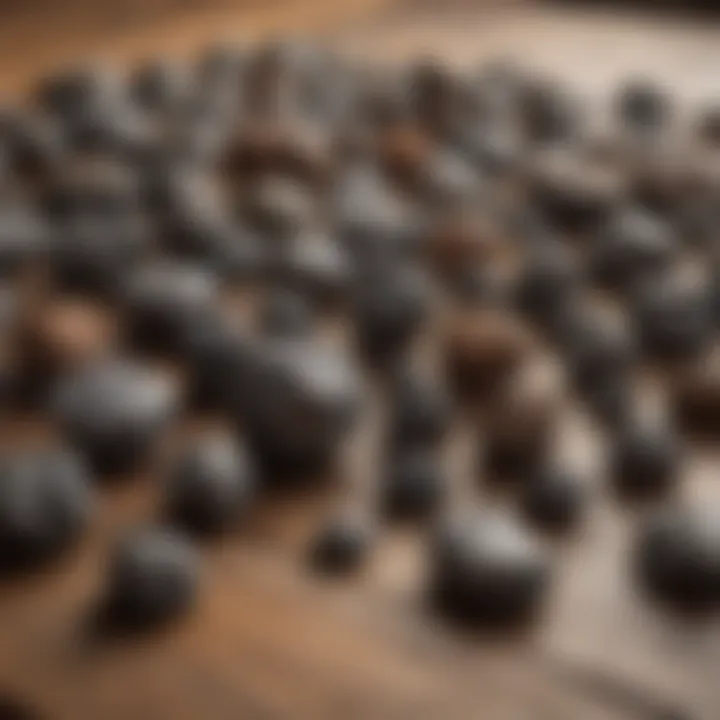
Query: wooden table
[(270, 641)]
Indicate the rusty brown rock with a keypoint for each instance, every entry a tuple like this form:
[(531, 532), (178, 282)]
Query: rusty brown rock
[(696, 400), (530, 402), (482, 348), (405, 152), (521, 420), (461, 238), (65, 333), (295, 149)]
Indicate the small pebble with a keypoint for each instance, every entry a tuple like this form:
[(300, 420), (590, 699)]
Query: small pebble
[(643, 105), (574, 194), (486, 570), (415, 485), (45, 504), (152, 578), (549, 283), (634, 246), (210, 485), (340, 547), (554, 499), (548, 112), (674, 321), (162, 303), (390, 307), (114, 411), (677, 557), (301, 400), (645, 460), (420, 411), (598, 350)]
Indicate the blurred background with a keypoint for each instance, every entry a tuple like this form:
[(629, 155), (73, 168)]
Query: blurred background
[(265, 647), (597, 38)]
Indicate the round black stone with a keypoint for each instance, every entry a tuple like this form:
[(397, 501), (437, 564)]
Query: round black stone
[(677, 557), (71, 93), (301, 400), (596, 350), (548, 112), (164, 301), (219, 354), (674, 322), (114, 411), (611, 399), (210, 485), (574, 195), (485, 569), (553, 499), (643, 105), (437, 97), (634, 246), (414, 487), (45, 502), (504, 459), (340, 547), (152, 579), (645, 460), (548, 284), (390, 307), (420, 410)]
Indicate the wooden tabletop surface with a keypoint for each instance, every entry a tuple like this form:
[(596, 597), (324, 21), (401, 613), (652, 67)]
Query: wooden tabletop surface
[(269, 641)]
